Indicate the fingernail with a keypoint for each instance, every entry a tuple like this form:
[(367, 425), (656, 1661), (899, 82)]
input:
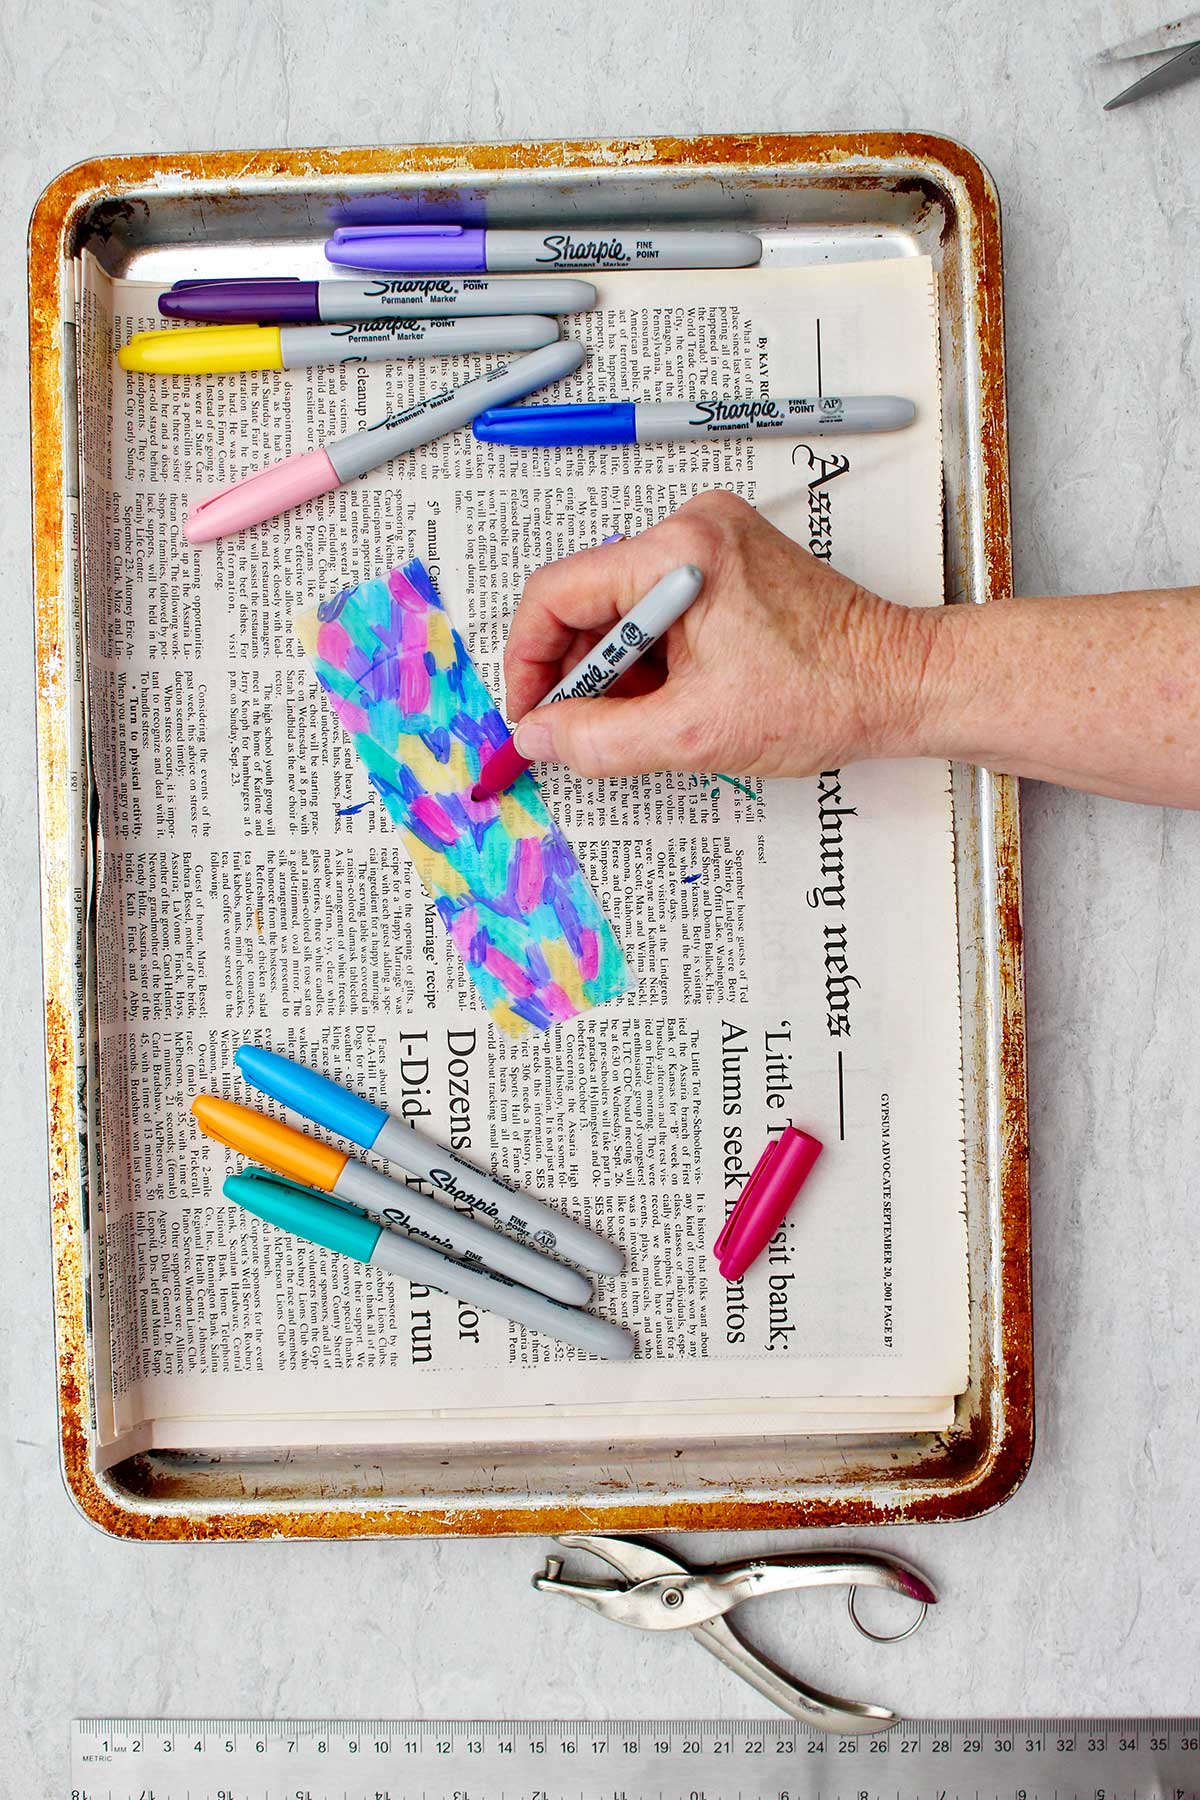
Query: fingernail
[(534, 739)]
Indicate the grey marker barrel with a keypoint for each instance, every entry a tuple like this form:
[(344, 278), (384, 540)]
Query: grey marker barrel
[(460, 1234), (391, 340), (631, 637), (598, 247), (456, 296), (675, 421), (400, 1256), (328, 1103), (463, 1183), (441, 413)]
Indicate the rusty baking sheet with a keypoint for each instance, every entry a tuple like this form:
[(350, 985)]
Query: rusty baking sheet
[(814, 198)]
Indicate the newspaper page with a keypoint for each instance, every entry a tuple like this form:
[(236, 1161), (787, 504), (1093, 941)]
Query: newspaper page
[(793, 945)]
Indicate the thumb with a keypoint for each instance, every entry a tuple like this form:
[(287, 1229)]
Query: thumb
[(611, 737)]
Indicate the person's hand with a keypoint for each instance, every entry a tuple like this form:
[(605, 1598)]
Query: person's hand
[(781, 667)]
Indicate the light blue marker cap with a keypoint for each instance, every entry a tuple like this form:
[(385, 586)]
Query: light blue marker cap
[(304, 1213), (315, 1096)]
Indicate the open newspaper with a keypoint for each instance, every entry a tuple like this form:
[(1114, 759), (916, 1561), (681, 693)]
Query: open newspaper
[(793, 944)]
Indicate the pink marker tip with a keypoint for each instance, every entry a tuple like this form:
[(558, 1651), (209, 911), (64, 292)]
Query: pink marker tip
[(500, 770)]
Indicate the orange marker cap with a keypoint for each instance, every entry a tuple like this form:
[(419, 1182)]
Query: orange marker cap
[(268, 1141)]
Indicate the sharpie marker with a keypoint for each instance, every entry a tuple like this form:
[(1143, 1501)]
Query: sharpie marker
[(223, 349), (629, 639), (301, 1158), (300, 478), (463, 247), (345, 1230), (329, 1104), (286, 300), (677, 421)]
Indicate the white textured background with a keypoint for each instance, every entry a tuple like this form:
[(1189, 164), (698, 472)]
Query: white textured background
[(1078, 1595)]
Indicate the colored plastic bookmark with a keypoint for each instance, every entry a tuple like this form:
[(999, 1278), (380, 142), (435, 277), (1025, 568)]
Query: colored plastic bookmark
[(504, 880)]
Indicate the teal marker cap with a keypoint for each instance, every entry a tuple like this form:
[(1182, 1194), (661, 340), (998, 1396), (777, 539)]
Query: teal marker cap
[(304, 1213)]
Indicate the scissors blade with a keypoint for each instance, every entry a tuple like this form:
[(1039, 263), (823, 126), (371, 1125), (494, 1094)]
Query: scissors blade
[(1183, 66), (1164, 37)]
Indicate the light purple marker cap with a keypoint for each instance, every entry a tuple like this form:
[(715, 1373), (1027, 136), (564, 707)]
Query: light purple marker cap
[(410, 249)]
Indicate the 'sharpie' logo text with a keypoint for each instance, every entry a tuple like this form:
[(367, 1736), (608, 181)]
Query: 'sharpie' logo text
[(591, 679), (736, 412), (822, 470), (561, 247), (410, 284)]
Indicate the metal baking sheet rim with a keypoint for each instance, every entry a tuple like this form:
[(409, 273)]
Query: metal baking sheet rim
[(963, 1472)]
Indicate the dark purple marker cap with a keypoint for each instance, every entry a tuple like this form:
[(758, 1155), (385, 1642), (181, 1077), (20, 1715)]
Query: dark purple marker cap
[(252, 301)]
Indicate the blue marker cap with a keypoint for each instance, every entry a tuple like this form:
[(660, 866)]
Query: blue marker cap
[(315, 1096), (601, 424), (304, 1213)]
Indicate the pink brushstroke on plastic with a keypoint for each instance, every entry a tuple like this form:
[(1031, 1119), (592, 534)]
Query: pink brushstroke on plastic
[(350, 713), (557, 1001), (414, 683), (435, 818), (529, 874), (506, 970), (402, 589), (333, 644)]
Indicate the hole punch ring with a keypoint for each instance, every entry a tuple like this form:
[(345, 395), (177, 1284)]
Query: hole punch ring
[(883, 1637)]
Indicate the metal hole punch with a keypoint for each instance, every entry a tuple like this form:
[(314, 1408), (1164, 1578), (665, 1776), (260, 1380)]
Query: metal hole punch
[(660, 1593)]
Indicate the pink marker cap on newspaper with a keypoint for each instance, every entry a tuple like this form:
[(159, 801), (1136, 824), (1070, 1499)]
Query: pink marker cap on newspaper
[(777, 1177), (258, 497)]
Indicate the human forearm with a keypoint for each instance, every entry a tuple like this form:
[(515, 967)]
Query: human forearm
[(784, 666), (1097, 691)]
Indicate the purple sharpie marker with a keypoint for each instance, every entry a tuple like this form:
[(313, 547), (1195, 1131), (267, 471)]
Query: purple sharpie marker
[(462, 247), (285, 300)]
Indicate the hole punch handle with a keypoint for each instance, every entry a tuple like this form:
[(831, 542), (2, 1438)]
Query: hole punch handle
[(727, 1585), (824, 1712)]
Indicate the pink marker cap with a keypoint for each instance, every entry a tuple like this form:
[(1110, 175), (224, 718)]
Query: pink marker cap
[(777, 1177), (502, 768), (260, 496)]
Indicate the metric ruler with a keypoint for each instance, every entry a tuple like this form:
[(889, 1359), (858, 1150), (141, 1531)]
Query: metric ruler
[(632, 1759)]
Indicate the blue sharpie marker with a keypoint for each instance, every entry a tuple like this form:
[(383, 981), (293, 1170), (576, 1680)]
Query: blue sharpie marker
[(680, 421)]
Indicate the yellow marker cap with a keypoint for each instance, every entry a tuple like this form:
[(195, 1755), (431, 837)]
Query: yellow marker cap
[(203, 350), (268, 1141)]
